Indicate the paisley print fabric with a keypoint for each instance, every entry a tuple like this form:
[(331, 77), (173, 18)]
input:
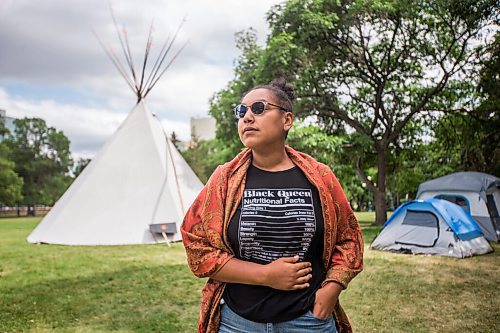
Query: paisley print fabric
[(205, 224)]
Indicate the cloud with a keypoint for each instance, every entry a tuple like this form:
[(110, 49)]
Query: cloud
[(53, 67), (51, 41), (87, 128)]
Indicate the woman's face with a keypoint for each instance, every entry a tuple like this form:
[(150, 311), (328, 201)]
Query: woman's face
[(266, 129)]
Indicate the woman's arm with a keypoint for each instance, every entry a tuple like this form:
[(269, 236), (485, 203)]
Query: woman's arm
[(201, 230), (326, 298), (283, 274), (347, 252)]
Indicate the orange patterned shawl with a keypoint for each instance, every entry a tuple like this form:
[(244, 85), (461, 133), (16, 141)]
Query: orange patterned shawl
[(207, 246)]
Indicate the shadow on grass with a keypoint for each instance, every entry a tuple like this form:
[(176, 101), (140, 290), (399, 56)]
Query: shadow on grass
[(135, 299)]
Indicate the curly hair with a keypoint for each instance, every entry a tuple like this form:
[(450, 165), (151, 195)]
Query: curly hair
[(282, 89)]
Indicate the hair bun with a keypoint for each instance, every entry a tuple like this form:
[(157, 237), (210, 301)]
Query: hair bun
[(283, 85)]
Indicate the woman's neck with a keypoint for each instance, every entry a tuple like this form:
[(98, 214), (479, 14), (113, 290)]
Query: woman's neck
[(272, 160)]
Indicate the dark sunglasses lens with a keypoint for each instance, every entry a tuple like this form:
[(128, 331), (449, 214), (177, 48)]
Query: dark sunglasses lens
[(240, 110), (258, 107)]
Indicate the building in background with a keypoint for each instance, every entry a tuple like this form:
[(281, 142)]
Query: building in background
[(203, 128), (9, 122)]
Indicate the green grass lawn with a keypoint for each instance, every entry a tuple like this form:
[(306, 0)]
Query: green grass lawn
[(148, 288)]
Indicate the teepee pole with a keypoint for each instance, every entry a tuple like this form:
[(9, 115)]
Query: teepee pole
[(124, 44), (146, 56), (176, 177), (141, 82)]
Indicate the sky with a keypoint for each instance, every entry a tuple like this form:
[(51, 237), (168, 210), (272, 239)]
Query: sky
[(52, 66)]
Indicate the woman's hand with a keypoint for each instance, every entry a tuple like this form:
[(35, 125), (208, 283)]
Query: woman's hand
[(288, 274), (326, 298), (283, 274)]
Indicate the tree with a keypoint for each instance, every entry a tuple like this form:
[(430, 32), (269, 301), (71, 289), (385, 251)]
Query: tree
[(202, 156), (10, 183), (377, 66), (420, 162), (330, 150), (175, 141), (473, 135), (42, 158), (80, 165)]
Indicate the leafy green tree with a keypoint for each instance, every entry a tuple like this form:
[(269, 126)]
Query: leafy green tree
[(375, 66), (203, 157), (42, 158), (474, 135), (10, 183), (315, 142), (418, 163), (330, 150), (80, 165)]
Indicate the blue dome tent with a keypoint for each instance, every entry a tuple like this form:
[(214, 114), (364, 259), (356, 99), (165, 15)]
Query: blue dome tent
[(432, 226)]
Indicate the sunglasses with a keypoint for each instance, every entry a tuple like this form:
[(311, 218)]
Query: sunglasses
[(257, 108)]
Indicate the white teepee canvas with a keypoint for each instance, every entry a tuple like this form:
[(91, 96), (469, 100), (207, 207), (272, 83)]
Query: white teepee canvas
[(137, 179), (138, 187)]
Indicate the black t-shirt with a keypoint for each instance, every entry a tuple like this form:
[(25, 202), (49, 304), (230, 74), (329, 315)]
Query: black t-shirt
[(279, 216)]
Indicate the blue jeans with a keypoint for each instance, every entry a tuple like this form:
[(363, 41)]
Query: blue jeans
[(307, 323)]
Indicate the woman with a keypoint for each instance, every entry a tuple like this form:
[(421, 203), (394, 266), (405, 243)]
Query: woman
[(273, 231)]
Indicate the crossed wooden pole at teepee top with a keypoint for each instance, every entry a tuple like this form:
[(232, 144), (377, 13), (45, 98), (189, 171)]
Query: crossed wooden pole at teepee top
[(141, 84)]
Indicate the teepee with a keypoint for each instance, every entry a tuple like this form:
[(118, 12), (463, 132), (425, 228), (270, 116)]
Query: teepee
[(137, 188)]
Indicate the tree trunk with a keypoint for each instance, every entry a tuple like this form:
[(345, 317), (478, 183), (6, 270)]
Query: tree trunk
[(31, 210), (379, 193), (380, 208), (377, 188)]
